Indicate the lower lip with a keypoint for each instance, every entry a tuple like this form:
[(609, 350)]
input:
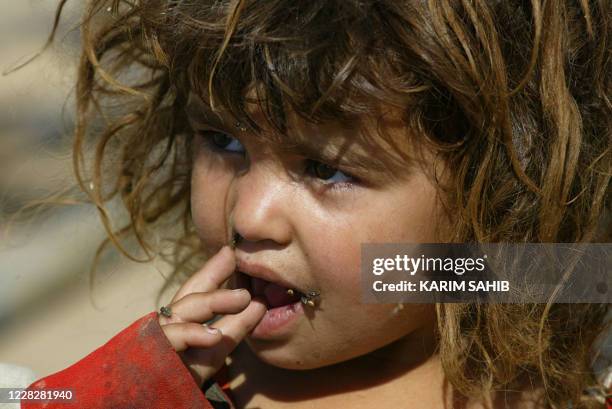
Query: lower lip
[(277, 321)]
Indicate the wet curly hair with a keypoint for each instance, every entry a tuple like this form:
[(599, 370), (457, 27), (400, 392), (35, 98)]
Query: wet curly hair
[(512, 95)]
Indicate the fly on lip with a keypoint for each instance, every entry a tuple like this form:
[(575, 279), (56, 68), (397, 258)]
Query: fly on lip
[(308, 299)]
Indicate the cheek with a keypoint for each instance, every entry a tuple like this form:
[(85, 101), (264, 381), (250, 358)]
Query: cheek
[(403, 216), (346, 327), (407, 216), (209, 189)]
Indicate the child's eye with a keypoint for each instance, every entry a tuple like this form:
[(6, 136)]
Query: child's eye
[(328, 173), (224, 143), (221, 141)]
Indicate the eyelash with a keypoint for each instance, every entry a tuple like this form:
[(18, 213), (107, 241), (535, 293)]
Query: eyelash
[(208, 135)]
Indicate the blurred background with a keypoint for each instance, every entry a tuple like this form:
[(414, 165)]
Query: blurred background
[(49, 319)]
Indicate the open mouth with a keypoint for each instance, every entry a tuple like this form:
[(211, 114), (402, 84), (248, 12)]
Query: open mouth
[(275, 295), (283, 304)]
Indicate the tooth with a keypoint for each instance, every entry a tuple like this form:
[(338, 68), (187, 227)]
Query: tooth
[(289, 291), (310, 303)]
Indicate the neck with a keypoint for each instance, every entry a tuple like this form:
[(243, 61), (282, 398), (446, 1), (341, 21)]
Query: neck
[(406, 373)]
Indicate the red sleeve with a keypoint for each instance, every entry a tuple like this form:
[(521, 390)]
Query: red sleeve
[(138, 366)]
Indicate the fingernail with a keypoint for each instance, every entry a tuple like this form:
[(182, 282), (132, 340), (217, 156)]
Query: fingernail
[(212, 330), (239, 290)]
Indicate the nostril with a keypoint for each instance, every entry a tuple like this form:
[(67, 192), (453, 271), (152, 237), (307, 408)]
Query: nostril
[(236, 240)]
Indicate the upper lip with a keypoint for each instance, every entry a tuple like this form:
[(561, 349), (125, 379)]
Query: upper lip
[(264, 273)]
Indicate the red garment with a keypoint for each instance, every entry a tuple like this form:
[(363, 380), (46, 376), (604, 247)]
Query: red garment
[(137, 368)]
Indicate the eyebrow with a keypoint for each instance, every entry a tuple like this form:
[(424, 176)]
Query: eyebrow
[(203, 115), (332, 152)]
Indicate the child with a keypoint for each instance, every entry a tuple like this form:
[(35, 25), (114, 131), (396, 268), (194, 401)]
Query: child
[(288, 133)]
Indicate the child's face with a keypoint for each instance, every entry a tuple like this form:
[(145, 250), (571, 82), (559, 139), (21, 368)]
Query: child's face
[(307, 227)]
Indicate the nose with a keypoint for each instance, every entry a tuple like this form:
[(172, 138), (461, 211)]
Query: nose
[(260, 201)]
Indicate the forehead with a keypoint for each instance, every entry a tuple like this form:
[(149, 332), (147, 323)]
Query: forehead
[(378, 142)]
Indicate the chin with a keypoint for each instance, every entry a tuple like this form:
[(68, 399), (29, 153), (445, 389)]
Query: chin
[(284, 355)]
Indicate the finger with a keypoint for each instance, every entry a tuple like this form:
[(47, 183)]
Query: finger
[(201, 307), (216, 270), (234, 329), (190, 334)]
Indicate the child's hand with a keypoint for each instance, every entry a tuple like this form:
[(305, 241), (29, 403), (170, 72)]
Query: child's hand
[(203, 349)]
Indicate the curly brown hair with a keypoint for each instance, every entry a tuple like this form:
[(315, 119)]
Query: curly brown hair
[(513, 95)]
